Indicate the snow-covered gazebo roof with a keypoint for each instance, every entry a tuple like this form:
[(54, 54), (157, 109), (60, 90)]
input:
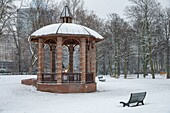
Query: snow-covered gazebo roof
[(66, 29)]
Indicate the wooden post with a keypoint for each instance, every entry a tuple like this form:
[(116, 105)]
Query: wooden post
[(59, 59), (52, 61), (71, 52), (93, 59), (83, 59), (88, 59), (40, 59)]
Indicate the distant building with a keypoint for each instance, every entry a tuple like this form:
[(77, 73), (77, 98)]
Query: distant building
[(25, 23), (31, 19), (7, 51)]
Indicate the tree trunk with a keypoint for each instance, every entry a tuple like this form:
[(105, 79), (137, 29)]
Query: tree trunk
[(110, 67), (138, 58), (125, 67), (118, 59), (115, 63), (144, 63), (167, 62), (150, 59)]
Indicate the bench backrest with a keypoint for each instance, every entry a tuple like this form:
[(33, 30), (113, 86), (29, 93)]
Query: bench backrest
[(100, 77), (137, 97)]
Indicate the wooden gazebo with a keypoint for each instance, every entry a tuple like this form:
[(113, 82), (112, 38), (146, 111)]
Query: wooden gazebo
[(70, 35)]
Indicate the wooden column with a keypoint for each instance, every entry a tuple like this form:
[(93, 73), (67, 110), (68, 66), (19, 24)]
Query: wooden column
[(52, 60), (88, 58), (40, 59), (83, 59), (71, 52), (93, 59), (59, 59)]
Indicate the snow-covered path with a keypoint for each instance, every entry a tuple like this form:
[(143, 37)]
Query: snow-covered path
[(18, 98)]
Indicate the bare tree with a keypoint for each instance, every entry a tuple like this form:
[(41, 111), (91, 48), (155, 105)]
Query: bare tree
[(114, 26), (146, 10), (166, 29), (126, 47), (7, 10)]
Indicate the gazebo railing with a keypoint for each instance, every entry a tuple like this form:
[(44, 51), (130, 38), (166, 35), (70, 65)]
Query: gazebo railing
[(67, 78), (49, 77), (71, 77), (89, 78)]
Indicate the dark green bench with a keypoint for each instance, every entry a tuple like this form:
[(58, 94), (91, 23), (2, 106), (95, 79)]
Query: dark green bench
[(101, 78), (135, 98)]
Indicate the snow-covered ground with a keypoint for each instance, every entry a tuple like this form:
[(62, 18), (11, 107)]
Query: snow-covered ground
[(18, 98)]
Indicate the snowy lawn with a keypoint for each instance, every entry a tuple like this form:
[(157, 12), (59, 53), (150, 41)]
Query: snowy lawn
[(18, 98)]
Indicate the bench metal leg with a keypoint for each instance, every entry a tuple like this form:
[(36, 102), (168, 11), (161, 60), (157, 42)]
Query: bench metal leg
[(140, 102), (124, 104)]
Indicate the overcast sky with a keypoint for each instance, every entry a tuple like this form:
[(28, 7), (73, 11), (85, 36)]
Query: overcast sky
[(104, 7)]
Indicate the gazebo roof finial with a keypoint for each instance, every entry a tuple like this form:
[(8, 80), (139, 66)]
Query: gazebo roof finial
[(66, 16)]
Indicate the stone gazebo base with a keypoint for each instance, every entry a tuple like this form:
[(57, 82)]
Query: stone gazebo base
[(66, 87), (61, 88)]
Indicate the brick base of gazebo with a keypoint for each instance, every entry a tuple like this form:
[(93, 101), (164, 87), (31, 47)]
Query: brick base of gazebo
[(31, 81), (67, 87), (61, 88)]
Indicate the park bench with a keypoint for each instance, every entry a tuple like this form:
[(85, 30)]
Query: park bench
[(101, 79), (135, 98)]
